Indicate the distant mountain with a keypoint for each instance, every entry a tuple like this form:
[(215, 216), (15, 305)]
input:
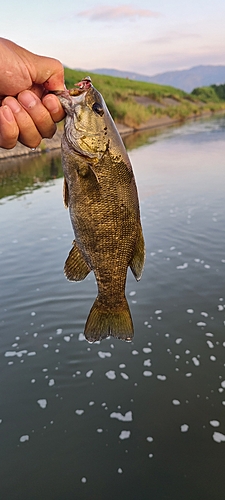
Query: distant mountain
[(187, 79)]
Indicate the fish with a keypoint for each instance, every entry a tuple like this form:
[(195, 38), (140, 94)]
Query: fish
[(101, 194)]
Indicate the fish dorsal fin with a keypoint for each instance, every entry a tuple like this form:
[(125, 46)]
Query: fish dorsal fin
[(138, 259), (65, 193), (76, 268)]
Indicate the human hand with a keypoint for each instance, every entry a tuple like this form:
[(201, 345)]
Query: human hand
[(27, 112)]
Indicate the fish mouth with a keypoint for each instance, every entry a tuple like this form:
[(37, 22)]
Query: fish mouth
[(84, 85)]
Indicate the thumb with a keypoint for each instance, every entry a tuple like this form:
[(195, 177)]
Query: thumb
[(49, 72)]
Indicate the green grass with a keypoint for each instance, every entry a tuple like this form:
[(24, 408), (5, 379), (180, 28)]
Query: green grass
[(120, 94)]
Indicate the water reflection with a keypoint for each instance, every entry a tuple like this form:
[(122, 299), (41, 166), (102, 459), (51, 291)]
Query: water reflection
[(24, 174)]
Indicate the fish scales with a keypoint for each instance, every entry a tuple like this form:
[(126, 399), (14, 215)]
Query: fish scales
[(101, 194)]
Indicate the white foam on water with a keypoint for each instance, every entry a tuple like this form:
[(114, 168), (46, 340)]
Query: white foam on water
[(24, 438), (183, 266), (83, 479), (176, 402), (147, 362), (223, 384), (209, 334), (124, 434), (132, 293), (190, 311), (201, 323), (220, 308), (79, 412), (161, 377), (99, 431), (158, 311), (189, 374), (91, 403), (214, 423), (149, 439), (81, 337), (111, 374), (0, 420), (150, 455), (120, 471), (196, 361), (178, 341), (128, 417), (210, 344), (45, 346), (124, 376), (205, 314), (184, 427), (134, 352), (146, 350), (122, 365), (19, 354), (212, 358), (218, 437), (51, 382), (31, 353), (33, 313), (58, 331), (67, 338), (147, 373), (104, 354), (89, 373), (42, 403)]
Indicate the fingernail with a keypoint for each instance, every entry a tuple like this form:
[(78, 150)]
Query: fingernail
[(7, 113), (13, 105), (51, 104), (27, 99)]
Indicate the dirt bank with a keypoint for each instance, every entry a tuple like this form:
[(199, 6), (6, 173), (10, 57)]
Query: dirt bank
[(55, 142)]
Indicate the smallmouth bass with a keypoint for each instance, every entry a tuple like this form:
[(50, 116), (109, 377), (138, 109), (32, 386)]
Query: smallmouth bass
[(101, 194)]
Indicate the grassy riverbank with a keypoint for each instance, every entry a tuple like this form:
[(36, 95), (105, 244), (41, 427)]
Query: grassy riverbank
[(136, 104)]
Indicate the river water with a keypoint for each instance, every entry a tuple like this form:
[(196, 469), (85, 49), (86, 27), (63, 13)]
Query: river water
[(142, 420)]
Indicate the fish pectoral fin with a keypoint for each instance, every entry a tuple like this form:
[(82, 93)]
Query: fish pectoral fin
[(104, 321), (76, 268), (138, 259), (65, 193), (94, 173)]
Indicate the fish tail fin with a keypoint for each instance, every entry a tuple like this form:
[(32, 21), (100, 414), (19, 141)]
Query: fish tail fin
[(104, 321)]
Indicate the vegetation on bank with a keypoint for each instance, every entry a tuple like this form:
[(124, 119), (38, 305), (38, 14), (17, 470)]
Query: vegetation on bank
[(135, 103)]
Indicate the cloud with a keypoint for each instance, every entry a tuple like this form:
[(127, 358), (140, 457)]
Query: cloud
[(121, 12), (171, 37)]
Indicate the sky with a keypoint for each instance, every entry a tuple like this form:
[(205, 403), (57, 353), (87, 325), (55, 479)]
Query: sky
[(143, 36)]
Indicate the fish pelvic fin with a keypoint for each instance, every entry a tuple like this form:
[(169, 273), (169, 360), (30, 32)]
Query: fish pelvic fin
[(138, 259), (76, 268), (105, 321)]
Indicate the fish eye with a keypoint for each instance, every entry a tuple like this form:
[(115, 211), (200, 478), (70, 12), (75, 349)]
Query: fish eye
[(97, 108)]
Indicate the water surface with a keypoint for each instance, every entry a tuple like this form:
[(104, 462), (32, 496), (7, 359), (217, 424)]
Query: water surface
[(113, 420)]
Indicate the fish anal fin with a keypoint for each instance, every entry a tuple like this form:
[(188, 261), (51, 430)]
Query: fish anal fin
[(76, 268), (105, 321), (138, 259), (65, 193)]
